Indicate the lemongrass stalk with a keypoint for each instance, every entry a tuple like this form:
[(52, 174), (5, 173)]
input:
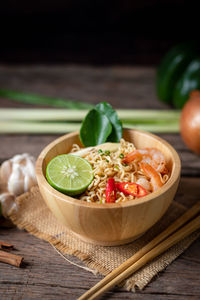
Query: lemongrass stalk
[(78, 115), (37, 128), (157, 128), (79, 105), (148, 114), (154, 121), (53, 127), (24, 114)]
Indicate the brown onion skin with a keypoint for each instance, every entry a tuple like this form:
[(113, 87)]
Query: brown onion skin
[(190, 122)]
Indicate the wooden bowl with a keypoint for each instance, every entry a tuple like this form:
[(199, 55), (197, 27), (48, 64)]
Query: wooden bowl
[(109, 224)]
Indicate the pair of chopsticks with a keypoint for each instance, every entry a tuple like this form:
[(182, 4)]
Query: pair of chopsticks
[(157, 246)]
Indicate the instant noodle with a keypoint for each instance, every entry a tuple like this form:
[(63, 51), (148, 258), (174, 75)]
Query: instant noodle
[(143, 170)]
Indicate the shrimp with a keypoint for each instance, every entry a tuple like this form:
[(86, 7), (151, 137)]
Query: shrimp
[(135, 155), (157, 160), (152, 156), (154, 176), (144, 183)]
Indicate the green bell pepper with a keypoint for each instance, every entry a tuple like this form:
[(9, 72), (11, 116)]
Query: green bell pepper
[(189, 81), (171, 68)]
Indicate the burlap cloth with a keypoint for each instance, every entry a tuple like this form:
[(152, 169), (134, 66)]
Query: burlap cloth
[(34, 216)]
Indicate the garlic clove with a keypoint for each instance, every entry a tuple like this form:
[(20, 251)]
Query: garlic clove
[(16, 181), (8, 204), (28, 183), (5, 171)]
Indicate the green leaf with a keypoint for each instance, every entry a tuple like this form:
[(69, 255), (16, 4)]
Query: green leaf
[(42, 100), (95, 128), (111, 114)]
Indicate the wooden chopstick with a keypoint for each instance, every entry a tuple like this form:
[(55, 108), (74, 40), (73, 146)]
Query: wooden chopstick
[(120, 272), (159, 249)]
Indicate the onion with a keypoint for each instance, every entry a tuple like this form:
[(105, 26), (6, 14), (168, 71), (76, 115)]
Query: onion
[(190, 122)]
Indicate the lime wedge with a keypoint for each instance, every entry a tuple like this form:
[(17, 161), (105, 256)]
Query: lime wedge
[(69, 174)]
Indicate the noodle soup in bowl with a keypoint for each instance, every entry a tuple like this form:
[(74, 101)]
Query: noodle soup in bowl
[(109, 224)]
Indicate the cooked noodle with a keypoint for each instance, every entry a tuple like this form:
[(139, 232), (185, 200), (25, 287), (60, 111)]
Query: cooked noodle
[(106, 165)]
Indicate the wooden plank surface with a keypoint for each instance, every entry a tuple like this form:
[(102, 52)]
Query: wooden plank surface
[(125, 87), (45, 274)]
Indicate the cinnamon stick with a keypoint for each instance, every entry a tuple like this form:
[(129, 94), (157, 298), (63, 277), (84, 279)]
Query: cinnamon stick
[(5, 245), (11, 259)]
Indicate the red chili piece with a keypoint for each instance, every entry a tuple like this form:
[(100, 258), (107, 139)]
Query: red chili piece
[(133, 189), (110, 191)]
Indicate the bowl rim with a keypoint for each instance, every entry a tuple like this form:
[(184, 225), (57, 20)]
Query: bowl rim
[(175, 175)]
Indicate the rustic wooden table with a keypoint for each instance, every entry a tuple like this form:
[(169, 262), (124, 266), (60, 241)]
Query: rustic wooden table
[(45, 274)]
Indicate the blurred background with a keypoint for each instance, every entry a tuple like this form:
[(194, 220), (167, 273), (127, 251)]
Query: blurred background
[(94, 32)]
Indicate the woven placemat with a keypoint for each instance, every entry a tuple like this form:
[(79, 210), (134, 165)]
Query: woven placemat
[(34, 216)]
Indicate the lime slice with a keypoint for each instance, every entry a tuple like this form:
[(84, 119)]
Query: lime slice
[(69, 174)]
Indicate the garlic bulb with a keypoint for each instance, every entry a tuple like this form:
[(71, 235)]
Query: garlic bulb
[(17, 174)]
